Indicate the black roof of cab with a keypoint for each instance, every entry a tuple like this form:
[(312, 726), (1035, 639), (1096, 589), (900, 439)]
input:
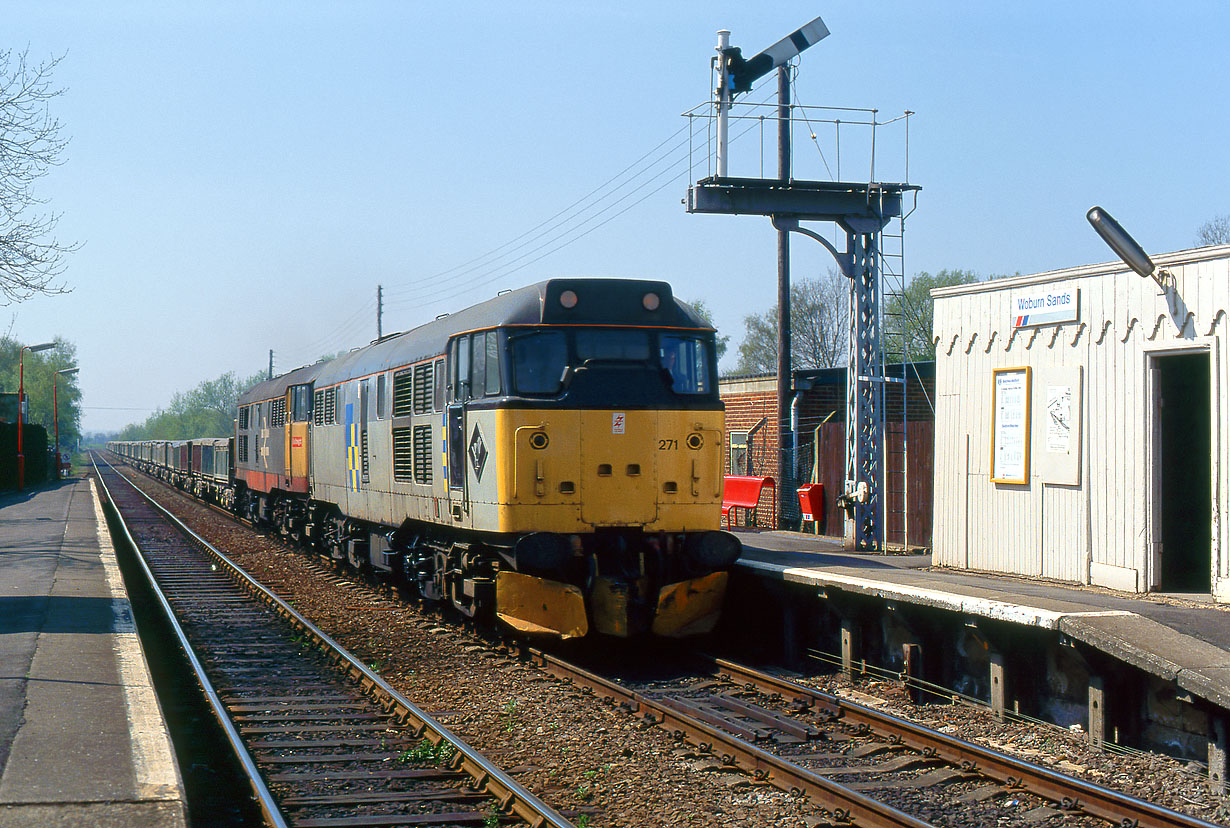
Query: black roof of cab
[(598, 302)]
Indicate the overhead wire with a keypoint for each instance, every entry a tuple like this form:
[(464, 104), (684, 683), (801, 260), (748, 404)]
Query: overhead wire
[(569, 225), (572, 223), (562, 219), (496, 271), (332, 341), (548, 220)]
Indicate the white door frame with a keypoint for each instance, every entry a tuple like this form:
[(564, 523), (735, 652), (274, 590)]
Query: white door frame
[(1153, 502)]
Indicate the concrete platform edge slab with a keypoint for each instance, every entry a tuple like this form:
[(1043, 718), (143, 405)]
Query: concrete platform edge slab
[(157, 774)]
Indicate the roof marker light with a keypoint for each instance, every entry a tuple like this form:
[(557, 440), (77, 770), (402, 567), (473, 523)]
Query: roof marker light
[(651, 301), (568, 299)]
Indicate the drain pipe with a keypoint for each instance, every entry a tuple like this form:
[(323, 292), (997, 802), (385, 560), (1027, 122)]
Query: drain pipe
[(794, 434)]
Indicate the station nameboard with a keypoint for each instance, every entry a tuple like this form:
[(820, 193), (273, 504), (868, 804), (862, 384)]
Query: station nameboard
[(1045, 307)]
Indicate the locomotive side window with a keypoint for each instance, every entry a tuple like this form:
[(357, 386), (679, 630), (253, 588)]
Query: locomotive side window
[(461, 369), (478, 365), (539, 360), (439, 401), (301, 404), (382, 396), (492, 385), (686, 359)]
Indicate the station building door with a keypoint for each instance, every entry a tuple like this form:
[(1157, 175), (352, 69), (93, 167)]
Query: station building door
[(1182, 472)]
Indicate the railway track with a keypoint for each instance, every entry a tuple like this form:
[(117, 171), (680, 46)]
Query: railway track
[(863, 766), (324, 741)]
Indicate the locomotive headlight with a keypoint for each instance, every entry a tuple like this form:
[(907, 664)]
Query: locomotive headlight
[(695, 441), (539, 440), (568, 299), (651, 301)]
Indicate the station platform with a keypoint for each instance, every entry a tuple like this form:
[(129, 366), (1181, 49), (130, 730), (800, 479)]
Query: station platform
[(1182, 638), (82, 737)]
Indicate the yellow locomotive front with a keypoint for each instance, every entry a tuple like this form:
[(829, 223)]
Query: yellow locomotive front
[(603, 455)]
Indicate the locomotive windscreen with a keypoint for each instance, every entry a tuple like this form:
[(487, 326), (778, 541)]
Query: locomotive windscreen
[(576, 362)]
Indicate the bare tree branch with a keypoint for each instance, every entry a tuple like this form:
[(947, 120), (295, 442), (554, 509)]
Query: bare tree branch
[(819, 327), (1214, 231), (31, 258)]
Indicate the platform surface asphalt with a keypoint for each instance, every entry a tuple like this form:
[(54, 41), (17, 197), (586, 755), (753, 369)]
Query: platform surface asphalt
[(1184, 638), (82, 738)]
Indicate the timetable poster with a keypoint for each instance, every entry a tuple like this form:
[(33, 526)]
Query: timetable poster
[(1010, 427)]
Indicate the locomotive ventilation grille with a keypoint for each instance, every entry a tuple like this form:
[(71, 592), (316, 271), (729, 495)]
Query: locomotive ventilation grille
[(422, 454), (403, 383), (403, 455)]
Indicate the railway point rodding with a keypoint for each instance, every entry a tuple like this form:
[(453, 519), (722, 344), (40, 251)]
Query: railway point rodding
[(82, 737)]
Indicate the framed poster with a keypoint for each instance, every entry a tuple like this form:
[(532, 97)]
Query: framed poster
[(1010, 417)]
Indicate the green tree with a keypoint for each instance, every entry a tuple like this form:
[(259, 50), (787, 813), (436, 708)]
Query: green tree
[(31, 259), (40, 368), (702, 310), (913, 311), (208, 410), (819, 328)]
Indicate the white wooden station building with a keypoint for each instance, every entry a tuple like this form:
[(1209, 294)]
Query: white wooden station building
[(1081, 425)]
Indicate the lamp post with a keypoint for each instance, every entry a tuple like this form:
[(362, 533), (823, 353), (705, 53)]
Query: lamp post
[(55, 406), (21, 397)]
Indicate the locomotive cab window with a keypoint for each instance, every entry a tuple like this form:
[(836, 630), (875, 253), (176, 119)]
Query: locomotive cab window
[(613, 345), (491, 387), (439, 374), (686, 360), (476, 366), (461, 369), (539, 360), (301, 403)]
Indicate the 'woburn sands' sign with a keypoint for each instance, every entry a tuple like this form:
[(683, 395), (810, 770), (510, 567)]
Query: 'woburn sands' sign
[(1046, 307)]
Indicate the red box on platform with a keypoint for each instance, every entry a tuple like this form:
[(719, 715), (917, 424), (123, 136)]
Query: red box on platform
[(811, 501)]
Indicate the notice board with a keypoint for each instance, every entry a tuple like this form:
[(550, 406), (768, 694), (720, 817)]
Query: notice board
[(1010, 425)]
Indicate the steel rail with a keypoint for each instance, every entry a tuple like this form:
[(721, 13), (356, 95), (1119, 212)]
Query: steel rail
[(511, 795), (846, 805), (1072, 794), (264, 798)]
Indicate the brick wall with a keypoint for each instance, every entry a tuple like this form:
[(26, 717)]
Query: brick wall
[(823, 394)]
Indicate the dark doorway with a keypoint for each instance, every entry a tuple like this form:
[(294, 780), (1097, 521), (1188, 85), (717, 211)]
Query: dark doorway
[(1184, 447)]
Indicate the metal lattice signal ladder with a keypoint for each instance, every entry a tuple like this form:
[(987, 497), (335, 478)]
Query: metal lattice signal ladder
[(895, 325)]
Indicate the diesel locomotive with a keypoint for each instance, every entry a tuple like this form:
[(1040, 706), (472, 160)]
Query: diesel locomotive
[(552, 457)]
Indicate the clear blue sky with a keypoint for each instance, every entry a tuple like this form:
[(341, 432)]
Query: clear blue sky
[(243, 175)]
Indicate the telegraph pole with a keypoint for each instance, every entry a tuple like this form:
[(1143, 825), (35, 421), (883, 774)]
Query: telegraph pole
[(379, 311), (785, 472), (270, 363)]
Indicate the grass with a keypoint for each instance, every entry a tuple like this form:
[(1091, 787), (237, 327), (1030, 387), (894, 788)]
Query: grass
[(427, 753)]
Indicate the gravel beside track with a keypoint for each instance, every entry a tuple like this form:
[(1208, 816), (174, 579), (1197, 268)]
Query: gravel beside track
[(1158, 779), (594, 764)]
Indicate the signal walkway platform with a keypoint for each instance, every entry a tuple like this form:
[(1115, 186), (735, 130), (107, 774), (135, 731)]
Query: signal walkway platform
[(83, 741), (1184, 638)]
